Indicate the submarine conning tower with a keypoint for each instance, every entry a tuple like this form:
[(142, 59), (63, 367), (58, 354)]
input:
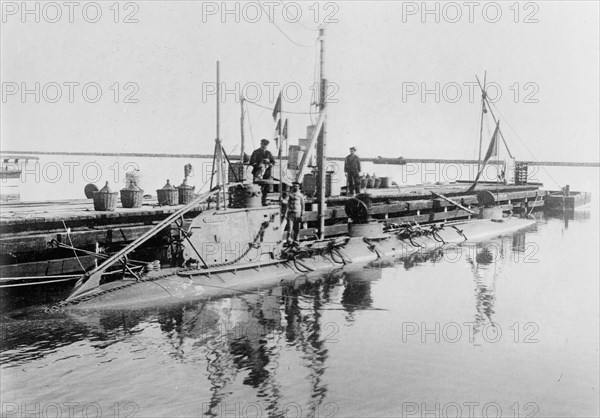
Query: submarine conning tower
[(245, 232), (487, 206), (362, 224), (246, 195)]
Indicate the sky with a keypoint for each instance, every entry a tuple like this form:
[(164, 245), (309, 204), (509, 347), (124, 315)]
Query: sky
[(139, 76)]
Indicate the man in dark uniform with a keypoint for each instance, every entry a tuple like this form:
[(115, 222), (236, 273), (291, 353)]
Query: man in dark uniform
[(352, 170), (261, 161)]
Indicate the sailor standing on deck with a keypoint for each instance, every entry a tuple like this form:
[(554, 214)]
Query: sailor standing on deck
[(261, 161), (295, 211), (352, 170)]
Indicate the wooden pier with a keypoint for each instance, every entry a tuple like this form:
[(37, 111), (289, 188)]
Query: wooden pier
[(38, 237), (416, 204)]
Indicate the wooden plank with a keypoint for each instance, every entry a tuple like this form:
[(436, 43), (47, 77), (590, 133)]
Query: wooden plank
[(457, 204), (48, 267), (81, 239), (330, 230)]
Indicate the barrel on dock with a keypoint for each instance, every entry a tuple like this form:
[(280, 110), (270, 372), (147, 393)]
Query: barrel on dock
[(168, 195), (104, 199), (132, 196), (363, 182), (376, 182), (186, 192), (386, 182)]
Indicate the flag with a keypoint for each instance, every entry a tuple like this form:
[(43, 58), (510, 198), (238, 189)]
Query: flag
[(277, 129), (492, 149), (490, 152), (277, 108), (285, 133)]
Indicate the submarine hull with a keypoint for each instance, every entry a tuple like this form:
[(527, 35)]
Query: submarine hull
[(178, 285)]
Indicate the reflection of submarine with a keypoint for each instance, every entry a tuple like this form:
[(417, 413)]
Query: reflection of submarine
[(239, 249), (357, 290), (241, 339), (485, 266)]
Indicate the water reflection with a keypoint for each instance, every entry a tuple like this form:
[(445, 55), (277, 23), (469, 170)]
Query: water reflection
[(484, 267), (247, 343), (236, 340), (579, 215)]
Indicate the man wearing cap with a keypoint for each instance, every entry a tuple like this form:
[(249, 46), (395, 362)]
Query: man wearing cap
[(261, 161), (352, 170), (295, 211)]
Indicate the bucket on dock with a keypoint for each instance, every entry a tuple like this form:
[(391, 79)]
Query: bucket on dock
[(363, 182), (132, 196), (186, 192), (168, 195), (376, 182), (386, 183), (105, 200)]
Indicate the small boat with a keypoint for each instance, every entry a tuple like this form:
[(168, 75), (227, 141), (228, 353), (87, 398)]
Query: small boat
[(11, 168)]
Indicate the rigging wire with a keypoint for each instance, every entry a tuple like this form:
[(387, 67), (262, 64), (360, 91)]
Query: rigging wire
[(525, 145), (285, 3), (270, 108), (68, 231), (250, 126), (281, 30)]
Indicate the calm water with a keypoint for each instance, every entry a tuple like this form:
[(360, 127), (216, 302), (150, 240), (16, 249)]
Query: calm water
[(504, 328), (508, 327)]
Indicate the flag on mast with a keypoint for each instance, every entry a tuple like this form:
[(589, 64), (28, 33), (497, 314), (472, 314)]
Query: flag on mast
[(284, 133), (277, 130), (492, 150), (277, 108)]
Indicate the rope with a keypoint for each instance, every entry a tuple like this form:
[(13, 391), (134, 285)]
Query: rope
[(534, 202), (282, 111), (525, 145), (460, 232), (71, 242), (272, 20)]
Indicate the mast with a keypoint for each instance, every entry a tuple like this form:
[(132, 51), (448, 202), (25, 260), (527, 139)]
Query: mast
[(483, 111), (242, 130), (321, 142), (218, 146), (279, 142), (494, 118), (218, 104)]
